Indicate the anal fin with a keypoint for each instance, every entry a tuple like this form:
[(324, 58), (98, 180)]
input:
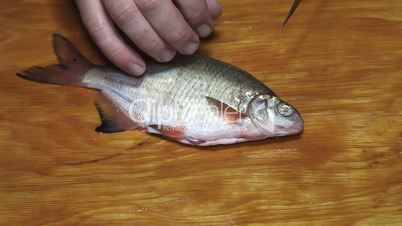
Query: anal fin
[(113, 119), (170, 131)]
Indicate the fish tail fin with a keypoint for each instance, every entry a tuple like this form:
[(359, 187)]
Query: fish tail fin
[(70, 71)]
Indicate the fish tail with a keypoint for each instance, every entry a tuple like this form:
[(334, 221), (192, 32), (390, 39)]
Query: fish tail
[(70, 71)]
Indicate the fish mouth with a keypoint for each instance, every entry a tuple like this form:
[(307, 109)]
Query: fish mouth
[(296, 128)]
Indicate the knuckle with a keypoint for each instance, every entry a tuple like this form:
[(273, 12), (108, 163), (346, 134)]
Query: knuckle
[(198, 16), (148, 5), (125, 14), (150, 45), (96, 29), (146, 40), (179, 35), (115, 55)]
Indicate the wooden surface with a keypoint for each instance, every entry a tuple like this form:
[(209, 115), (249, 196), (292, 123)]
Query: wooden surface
[(338, 62)]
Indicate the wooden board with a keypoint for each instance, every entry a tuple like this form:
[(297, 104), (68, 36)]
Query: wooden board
[(339, 62)]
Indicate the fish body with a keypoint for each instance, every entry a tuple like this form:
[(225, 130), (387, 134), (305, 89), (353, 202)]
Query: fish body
[(194, 99)]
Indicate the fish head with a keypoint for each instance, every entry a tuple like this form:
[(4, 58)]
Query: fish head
[(275, 117)]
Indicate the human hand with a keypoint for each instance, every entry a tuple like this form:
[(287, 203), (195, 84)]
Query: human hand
[(160, 28)]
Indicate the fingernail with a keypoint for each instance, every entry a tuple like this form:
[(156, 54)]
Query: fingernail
[(167, 55), (190, 48), (204, 30), (135, 69)]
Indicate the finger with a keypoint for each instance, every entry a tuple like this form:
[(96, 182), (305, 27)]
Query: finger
[(170, 25), (214, 8), (105, 35), (197, 14), (130, 19)]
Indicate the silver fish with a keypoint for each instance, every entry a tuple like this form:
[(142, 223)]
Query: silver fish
[(194, 99)]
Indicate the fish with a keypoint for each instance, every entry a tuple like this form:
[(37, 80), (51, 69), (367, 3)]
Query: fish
[(195, 100)]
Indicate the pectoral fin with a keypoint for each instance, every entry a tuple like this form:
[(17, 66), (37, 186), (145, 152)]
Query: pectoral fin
[(230, 114), (113, 120)]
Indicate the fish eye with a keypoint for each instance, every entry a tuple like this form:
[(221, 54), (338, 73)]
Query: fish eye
[(284, 109)]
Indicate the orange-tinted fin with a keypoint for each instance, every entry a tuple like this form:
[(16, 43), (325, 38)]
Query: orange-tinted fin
[(292, 10), (230, 114), (70, 70), (170, 131), (113, 120)]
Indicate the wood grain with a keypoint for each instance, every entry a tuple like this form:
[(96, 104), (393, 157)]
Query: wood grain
[(339, 62)]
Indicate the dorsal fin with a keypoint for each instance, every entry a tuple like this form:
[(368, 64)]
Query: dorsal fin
[(113, 120), (68, 55)]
